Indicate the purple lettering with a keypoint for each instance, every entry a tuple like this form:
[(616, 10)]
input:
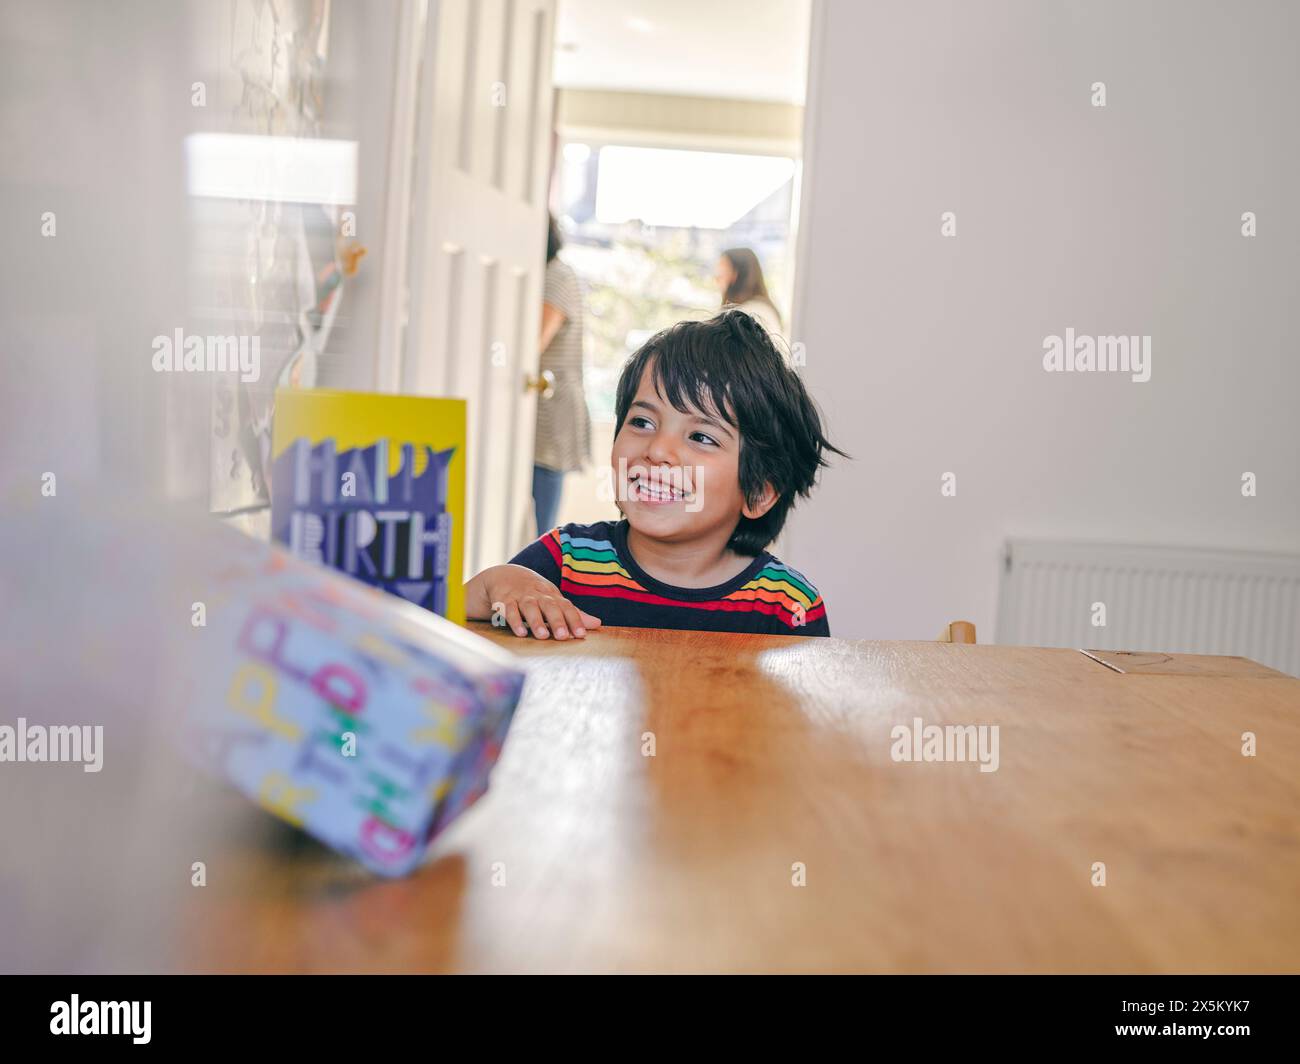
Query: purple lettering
[(383, 841), (263, 637), (340, 687)]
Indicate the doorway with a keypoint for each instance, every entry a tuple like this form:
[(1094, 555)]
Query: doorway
[(679, 134)]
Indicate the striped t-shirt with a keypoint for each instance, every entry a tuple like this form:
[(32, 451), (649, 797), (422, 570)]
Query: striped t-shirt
[(593, 568)]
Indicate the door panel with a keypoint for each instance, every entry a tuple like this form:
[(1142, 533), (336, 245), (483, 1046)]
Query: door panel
[(479, 247)]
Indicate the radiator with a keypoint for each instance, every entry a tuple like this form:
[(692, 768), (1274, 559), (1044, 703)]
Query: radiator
[(1169, 599)]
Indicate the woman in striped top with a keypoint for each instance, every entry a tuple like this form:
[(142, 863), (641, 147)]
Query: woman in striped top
[(562, 443), (715, 438)]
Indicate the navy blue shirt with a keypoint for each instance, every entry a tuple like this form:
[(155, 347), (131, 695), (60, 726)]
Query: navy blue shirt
[(592, 567)]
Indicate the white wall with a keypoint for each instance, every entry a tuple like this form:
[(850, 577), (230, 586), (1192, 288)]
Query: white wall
[(926, 352)]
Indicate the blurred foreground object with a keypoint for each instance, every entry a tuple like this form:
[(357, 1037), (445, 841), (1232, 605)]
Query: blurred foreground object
[(365, 720)]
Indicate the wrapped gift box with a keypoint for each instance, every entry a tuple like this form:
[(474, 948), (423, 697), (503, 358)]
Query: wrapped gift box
[(366, 721)]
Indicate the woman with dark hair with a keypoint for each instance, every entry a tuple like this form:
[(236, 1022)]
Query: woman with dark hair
[(563, 440), (740, 278)]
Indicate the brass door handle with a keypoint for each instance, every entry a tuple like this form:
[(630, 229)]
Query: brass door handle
[(544, 384)]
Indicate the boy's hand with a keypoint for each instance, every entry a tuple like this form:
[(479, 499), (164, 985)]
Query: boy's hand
[(527, 601)]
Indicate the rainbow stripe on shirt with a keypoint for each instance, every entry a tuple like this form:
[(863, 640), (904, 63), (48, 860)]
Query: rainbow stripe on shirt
[(591, 566)]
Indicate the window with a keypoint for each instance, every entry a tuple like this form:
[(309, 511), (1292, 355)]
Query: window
[(644, 228)]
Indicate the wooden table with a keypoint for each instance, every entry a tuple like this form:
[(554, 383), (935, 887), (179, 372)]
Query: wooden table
[(772, 753)]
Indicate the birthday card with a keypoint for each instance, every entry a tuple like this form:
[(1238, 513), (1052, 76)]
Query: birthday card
[(374, 486)]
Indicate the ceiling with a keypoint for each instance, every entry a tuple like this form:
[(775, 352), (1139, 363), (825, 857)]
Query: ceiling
[(737, 49)]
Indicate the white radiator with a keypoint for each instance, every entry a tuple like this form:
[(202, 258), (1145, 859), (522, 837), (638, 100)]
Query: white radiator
[(1169, 599)]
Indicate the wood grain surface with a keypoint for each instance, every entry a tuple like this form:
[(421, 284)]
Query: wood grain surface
[(775, 752)]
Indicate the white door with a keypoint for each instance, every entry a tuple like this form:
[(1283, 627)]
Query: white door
[(478, 244)]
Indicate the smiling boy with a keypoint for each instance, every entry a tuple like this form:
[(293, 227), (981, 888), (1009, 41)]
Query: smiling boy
[(715, 437)]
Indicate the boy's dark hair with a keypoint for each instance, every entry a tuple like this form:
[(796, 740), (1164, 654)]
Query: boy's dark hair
[(729, 367)]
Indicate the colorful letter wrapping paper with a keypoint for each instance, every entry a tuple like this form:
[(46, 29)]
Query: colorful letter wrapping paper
[(366, 721)]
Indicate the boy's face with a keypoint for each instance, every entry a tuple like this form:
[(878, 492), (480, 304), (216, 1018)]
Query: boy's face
[(677, 475)]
